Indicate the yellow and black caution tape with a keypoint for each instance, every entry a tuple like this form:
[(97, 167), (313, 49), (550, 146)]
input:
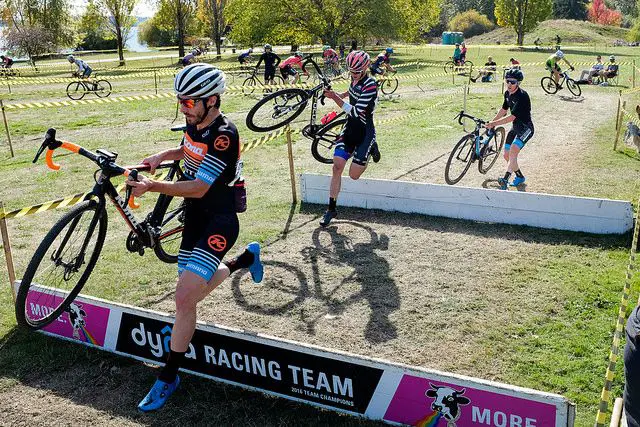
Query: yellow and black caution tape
[(632, 117), (263, 140), (605, 396), (68, 103)]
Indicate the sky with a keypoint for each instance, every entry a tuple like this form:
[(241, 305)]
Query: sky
[(145, 8)]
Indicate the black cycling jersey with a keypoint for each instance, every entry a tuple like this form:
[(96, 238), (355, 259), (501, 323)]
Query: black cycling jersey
[(212, 155), (520, 105), (271, 60)]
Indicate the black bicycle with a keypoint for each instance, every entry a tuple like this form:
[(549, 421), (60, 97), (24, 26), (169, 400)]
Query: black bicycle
[(250, 83), (388, 82), (473, 146), (76, 90), (550, 86), (282, 107), (65, 258)]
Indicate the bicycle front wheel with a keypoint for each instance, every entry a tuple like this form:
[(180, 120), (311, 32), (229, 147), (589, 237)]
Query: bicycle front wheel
[(491, 151), (573, 87), (548, 85), (103, 88), (448, 67), (460, 160), (389, 86), (277, 109), (75, 90), (61, 265), (325, 140), (248, 86), (168, 241)]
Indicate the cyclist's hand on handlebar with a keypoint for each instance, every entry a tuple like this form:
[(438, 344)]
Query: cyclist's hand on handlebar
[(331, 94), (153, 162), (141, 186), (572, 69), (489, 125)]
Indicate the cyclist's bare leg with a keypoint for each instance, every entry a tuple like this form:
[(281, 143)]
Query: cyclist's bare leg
[(513, 158), (336, 178), (191, 289), (356, 171), (556, 76)]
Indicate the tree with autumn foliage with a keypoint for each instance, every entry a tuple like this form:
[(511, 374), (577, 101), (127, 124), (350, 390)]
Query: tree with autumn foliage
[(599, 13)]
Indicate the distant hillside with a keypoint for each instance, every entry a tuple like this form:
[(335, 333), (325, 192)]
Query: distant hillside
[(571, 32)]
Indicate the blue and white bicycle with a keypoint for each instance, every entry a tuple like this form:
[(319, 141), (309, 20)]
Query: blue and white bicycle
[(476, 145)]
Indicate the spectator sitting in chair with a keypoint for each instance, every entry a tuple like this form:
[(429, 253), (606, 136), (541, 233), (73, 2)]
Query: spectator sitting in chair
[(515, 64), (596, 69), (487, 71), (612, 69)]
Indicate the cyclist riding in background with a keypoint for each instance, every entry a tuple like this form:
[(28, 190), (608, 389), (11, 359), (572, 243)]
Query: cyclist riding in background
[(271, 61), (84, 70), (552, 65), (457, 55), (245, 57), (330, 57), (190, 57), (463, 52), (286, 67), (211, 152), (358, 138), (6, 61), (383, 60)]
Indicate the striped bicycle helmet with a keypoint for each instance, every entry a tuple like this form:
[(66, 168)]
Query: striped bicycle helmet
[(358, 61), (199, 81)]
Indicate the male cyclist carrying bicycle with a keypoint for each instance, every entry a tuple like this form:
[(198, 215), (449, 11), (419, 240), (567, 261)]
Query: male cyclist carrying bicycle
[(383, 60), (211, 153), (358, 138), (84, 71), (518, 102), (271, 61), (552, 65)]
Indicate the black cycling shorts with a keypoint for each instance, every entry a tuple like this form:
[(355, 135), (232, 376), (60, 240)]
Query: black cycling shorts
[(288, 71), (518, 135), (356, 140), (269, 73), (206, 239)]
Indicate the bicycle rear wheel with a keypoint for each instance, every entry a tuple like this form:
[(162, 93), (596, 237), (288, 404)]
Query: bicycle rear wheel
[(103, 88), (75, 90), (573, 87), (61, 265), (168, 243), (491, 151), (325, 140), (459, 160), (548, 85), (389, 85), (248, 86), (449, 67), (277, 109)]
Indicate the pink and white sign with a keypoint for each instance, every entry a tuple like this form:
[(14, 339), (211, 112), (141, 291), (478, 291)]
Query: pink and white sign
[(82, 321), (423, 402)]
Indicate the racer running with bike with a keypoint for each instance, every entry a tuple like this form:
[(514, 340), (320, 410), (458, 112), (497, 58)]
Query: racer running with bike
[(271, 61), (286, 68), (552, 65), (358, 138), (517, 101), (211, 152), (383, 60), (84, 71)]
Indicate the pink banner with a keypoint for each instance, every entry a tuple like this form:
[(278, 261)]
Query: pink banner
[(82, 321), (427, 403)]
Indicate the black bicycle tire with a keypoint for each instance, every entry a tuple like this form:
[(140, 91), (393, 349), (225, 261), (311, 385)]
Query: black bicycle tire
[(252, 126), (249, 85), (573, 87), (76, 85), (314, 144), (387, 83), (482, 168), (107, 84), (449, 67), (159, 249), (462, 141), (21, 297), (548, 89)]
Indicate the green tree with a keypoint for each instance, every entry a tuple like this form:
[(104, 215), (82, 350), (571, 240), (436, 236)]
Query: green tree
[(471, 23), (119, 20), (212, 15), (522, 15), (627, 7), (92, 29), (570, 9), (50, 16)]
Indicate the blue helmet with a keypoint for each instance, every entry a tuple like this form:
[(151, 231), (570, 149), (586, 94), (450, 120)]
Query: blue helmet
[(514, 74), (389, 50)]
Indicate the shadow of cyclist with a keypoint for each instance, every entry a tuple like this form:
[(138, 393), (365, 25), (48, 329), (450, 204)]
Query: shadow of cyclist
[(370, 271)]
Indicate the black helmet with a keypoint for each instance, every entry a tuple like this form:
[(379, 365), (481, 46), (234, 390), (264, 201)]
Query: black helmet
[(514, 74)]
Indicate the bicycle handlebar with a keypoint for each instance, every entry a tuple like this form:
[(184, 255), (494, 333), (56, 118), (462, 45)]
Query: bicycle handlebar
[(462, 115)]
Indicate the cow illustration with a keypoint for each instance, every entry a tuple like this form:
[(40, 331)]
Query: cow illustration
[(447, 401), (76, 317)]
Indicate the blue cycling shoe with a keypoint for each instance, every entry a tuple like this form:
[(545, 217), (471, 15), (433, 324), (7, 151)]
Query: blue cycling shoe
[(256, 269), (517, 181), (503, 183), (158, 395)]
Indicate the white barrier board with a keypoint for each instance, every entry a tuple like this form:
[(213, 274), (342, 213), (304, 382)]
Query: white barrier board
[(361, 386), (601, 216)]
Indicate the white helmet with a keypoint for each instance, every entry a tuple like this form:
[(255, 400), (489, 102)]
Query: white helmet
[(559, 54), (250, 50), (199, 81), (70, 58), (612, 58)]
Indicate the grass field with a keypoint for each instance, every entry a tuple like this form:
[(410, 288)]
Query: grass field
[(530, 307)]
